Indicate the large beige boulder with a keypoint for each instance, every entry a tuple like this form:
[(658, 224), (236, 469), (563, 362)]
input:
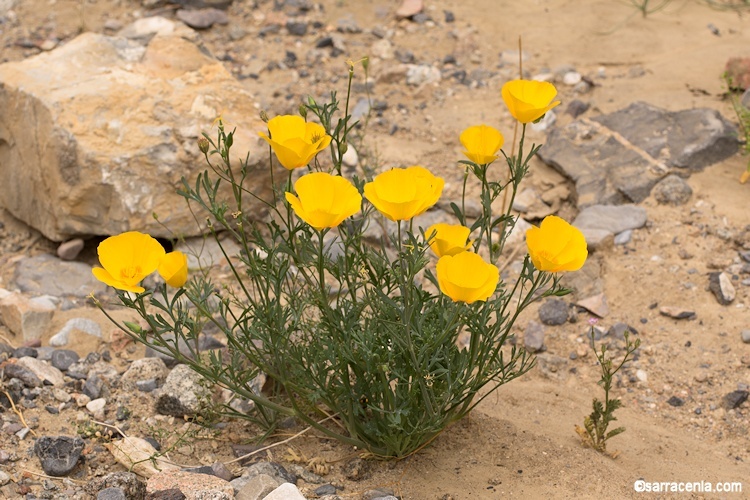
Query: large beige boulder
[(96, 135)]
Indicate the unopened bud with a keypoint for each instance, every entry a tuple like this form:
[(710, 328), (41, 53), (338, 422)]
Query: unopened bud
[(203, 145), (303, 111), (343, 147), (365, 62), (264, 116)]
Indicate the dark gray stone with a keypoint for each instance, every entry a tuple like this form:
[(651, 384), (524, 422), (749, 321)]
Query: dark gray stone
[(94, 387), (112, 494), (272, 469), (296, 28), (326, 489), (619, 157), (22, 352), (577, 107), (672, 190), (553, 312), (26, 376), (59, 454), (734, 399), (533, 338), (675, 401), (62, 359), (148, 385), (45, 274)]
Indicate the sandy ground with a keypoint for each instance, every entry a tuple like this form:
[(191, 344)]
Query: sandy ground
[(520, 443)]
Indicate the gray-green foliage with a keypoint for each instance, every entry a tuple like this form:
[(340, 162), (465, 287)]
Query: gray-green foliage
[(356, 335)]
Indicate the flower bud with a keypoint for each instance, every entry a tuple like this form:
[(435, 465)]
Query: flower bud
[(203, 145), (303, 111), (264, 116)]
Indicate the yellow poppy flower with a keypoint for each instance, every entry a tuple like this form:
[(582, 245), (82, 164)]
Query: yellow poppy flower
[(324, 200), (466, 277), (126, 259), (529, 100), (174, 269), (556, 246), (295, 141), (403, 193), (448, 239), (481, 143)]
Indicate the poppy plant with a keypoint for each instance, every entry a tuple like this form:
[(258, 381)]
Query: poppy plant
[(126, 259), (466, 277), (324, 200), (529, 100), (556, 246), (448, 239), (173, 268), (481, 142), (404, 193), (295, 141)]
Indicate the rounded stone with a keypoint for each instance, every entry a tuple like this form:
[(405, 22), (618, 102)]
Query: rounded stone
[(63, 358), (553, 312), (672, 190), (745, 334)]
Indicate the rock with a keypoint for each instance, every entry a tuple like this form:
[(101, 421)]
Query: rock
[(46, 273), (721, 286), (287, 491), (190, 484), (45, 372), (350, 158), (624, 237), (95, 387), (348, 24), (121, 121), (257, 487), (70, 249), (58, 455), (296, 28), (677, 312), (26, 318), (734, 399), (422, 74), (672, 190), (553, 312), (576, 108), (24, 351), (63, 358), (533, 337), (572, 78), (641, 375), (202, 18), (84, 325), (738, 72), (745, 336), (675, 401), (138, 456), (618, 158), (26, 376), (145, 369), (203, 253), (111, 494), (599, 223), (182, 393), (618, 331), (596, 304), (272, 469), (409, 8), (96, 408)]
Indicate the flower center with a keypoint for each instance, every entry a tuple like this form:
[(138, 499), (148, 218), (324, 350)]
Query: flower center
[(130, 272)]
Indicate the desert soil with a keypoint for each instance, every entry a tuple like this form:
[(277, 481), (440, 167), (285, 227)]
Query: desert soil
[(520, 442)]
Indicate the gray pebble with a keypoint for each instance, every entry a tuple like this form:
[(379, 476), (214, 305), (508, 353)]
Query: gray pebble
[(672, 190), (62, 359), (533, 338), (553, 312), (745, 334)]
